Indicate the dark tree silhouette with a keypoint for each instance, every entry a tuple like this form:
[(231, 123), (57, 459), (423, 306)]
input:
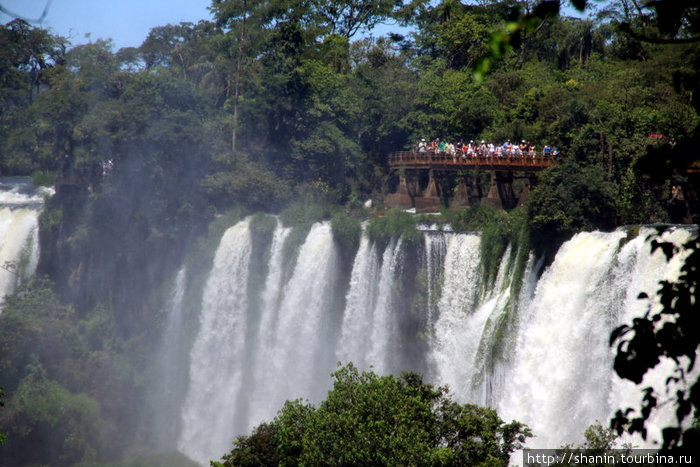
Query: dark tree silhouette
[(669, 333)]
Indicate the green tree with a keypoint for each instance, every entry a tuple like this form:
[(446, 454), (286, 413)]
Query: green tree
[(46, 422), (381, 80), (599, 441), (381, 420), (570, 197), (244, 24), (28, 57), (462, 40), (347, 17), (42, 362), (26, 53), (258, 449)]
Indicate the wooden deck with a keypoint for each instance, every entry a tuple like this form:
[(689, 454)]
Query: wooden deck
[(443, 161)]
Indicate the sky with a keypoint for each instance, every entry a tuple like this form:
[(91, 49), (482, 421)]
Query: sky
[(126, 22)]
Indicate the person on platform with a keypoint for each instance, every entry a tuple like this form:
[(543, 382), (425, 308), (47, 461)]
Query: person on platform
[(522, 148), (507, 147)]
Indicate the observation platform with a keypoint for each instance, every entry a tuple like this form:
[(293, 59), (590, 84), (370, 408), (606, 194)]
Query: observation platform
[(429, 180), (444, 161)]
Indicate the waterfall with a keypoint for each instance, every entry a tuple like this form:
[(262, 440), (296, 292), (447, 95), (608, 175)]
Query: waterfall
[(264, 402), (536, 350), (644, 271), (383, 340), (20, 205), (370, 325), (458, 327), (435, 250), (562, 362), (561, 379), (302, 340), (216, 369), (169, 358), (359, 309), (240, 375), (174, 329), (486, 387)]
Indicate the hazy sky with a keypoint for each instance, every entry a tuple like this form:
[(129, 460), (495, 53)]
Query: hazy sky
[(126, 22)]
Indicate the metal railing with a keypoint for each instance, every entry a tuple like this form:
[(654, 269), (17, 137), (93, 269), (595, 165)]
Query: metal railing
[(418, 159)]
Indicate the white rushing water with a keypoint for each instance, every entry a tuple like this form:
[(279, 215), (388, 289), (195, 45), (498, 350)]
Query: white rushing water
[(169, 360), (216, 367), (644, 271), (435, 251), (241, 376), (560, 376), (298, 359), (383, 342), (458, 328), (541, 357), (264, 401), (355, 339), (20, 206)]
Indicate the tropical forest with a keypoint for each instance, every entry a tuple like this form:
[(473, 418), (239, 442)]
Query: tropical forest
[(204, 263)]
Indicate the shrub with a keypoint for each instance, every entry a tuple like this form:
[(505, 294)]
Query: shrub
[(397, 224), (380, 420), (43, 178), (346, 232)]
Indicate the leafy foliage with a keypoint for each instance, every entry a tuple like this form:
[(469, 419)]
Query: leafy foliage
[(668, 333), (380, 420), (599, 441), (570, 197), (272, 103), (67, 379), (396, 224), (346, 232)]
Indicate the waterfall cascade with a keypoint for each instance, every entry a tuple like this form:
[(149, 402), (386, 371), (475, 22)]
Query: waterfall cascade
[(20, 205), (540, 356)]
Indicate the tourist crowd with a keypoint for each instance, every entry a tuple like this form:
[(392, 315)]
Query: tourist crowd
[(483, 149)]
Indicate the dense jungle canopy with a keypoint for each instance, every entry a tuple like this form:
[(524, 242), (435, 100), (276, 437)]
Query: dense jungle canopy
[(269, 101), (274, 103), (290, 97)]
